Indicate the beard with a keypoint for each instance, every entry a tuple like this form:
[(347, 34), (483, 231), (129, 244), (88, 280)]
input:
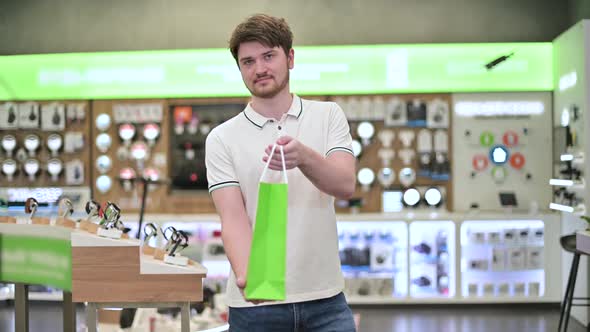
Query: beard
[(270, 89)]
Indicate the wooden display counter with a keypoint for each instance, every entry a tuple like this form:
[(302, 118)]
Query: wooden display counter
[(101, 271)]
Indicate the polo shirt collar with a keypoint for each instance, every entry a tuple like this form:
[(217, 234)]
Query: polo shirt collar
[(259, 120)]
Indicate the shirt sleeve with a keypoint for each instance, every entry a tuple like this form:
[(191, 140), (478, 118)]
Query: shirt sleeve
[(339, 138), (219, 164)]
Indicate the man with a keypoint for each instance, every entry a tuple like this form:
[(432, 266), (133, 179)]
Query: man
[(320, 166)]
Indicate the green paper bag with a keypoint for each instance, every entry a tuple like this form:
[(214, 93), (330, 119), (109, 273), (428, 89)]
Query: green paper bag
[(267, 263)]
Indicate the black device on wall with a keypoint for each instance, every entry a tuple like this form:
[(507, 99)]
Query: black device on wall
[(508, 199)]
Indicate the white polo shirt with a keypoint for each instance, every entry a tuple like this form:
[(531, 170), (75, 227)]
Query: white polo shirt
[(233, 156)]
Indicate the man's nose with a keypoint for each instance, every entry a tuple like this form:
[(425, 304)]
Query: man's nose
[(260, 68)]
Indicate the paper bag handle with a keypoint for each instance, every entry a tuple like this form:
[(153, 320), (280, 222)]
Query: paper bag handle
[(272, 151)]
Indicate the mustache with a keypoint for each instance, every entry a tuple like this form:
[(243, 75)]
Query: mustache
[(259, 78)]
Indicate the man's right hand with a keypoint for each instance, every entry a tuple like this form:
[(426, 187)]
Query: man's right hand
[(241, 283)]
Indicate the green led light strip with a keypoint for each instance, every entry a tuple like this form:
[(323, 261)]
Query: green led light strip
[(319, 70)]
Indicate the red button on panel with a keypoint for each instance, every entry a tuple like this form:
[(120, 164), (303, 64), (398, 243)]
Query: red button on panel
[(517, 160), (510, 138), (480, 162)]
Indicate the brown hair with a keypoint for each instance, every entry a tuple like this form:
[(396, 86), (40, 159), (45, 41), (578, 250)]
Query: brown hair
[(268, 30)]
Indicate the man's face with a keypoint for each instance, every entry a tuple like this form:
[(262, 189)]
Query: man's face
[(264, 69)]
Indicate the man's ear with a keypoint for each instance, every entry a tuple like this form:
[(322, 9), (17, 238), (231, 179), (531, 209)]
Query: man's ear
[(291, 58)]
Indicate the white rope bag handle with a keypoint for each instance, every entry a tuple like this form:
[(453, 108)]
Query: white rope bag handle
[(272, 151)]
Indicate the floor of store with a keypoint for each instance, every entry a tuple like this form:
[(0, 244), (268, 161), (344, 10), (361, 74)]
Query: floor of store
[(462, 318), (46, 317)]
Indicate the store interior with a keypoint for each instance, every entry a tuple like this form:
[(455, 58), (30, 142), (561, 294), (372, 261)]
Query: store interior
[(470, 147)]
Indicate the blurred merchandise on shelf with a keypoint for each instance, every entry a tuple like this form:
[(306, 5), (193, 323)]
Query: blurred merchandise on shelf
[(129, 142), (44, 153), (432, 261), (189, 128), (401, 142), (503, 258), (373, 258), (206, 247)]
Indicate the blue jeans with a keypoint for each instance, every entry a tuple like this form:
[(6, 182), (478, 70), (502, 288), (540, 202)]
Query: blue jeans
[(326, 315)]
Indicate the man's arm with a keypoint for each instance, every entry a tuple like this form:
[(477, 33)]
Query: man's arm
[(334, 174), (236, 231)]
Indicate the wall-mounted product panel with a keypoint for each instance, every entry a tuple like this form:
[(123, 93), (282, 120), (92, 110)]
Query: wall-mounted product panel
[(190, 123), (403, 147), (129, 142), (502, 151), (44, 153)]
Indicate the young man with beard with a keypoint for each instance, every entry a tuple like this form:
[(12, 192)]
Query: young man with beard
[(320, 165)]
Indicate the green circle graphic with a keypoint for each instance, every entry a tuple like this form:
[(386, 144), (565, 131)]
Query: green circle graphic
[(486, 139)]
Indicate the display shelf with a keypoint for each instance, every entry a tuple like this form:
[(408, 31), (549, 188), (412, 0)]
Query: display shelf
[(491, 245), (506, 272), (354, 270), (40, 296), (6, 292), (181, 218), (374, 253), (35, 296), (432, 259), (140, 278), (406, 215), (503, 256), (374, 300), (201, 226), (88, 264)]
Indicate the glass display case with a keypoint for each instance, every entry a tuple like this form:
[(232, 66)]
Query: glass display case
[(502, 258), (374, 258), (432, 259), (416, 258)]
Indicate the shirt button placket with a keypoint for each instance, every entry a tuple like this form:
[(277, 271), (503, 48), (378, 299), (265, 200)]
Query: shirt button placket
[(280, 129)]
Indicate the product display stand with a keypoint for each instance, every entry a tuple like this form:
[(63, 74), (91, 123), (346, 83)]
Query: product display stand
[(69, 312), (21, 307), (102, 272), (92, 307), (35, 255), (108, 273)]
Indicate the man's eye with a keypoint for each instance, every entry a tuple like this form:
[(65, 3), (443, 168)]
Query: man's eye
[(247, 62), (268, 56)]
